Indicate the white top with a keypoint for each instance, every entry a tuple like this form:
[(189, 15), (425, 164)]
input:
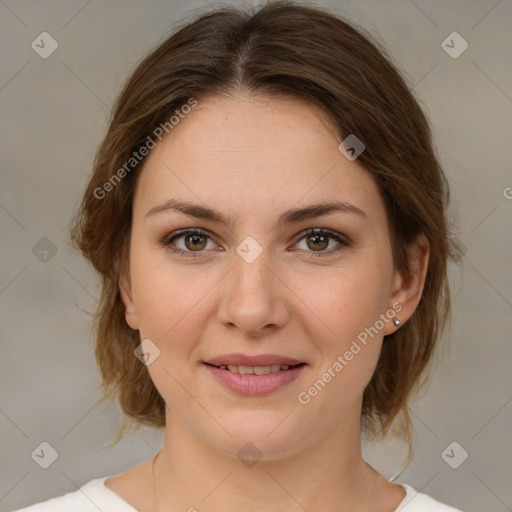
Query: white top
[(94, 496)]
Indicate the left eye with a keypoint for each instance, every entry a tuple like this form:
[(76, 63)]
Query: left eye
[(196, 240), (318, 239)]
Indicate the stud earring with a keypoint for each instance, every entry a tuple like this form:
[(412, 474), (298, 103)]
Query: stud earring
[(396, 321)]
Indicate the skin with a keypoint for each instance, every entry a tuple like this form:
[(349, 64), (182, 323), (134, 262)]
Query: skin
[(252, 157)]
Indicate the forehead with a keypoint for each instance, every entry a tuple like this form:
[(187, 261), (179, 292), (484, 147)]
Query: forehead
[(246, 154)]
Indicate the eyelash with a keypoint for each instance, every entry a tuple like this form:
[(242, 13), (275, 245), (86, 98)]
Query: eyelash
[(166, 242)]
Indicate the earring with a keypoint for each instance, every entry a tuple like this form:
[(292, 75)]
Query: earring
[(396, 321)]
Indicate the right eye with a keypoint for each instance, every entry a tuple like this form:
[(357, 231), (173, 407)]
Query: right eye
[(195, 240)]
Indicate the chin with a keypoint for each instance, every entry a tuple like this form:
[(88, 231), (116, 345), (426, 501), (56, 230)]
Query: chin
[(258, 434)]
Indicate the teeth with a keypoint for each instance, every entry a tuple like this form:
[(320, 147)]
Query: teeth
[(256, 370), (261, 370)]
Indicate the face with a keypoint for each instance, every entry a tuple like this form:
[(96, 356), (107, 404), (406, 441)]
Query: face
[(264, 283)]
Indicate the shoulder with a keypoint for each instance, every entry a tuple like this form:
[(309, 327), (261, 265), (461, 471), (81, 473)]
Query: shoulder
[(91, 497), (415, 501)]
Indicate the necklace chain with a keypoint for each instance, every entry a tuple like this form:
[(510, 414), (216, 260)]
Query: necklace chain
[(154, 482)]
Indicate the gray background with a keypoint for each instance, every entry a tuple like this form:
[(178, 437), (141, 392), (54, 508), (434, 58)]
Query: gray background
[(54, 113)]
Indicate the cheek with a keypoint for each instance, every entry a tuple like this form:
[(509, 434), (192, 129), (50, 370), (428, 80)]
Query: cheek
[(344, 301), (170, 305), (169, 300), (344, 306)]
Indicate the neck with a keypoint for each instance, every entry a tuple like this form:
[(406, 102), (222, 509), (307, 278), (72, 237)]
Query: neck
[(329, 475)]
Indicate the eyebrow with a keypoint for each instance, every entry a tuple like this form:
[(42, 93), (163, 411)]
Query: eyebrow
[(288, 217)]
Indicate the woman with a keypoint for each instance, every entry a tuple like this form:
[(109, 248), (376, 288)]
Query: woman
[(267, 213)]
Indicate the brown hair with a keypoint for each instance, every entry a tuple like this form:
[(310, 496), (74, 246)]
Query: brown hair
[(303, 52)]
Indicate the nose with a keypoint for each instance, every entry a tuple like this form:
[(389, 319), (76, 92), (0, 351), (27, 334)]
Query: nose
[(254, 297)]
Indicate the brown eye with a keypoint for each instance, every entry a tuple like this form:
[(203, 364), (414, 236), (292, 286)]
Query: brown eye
[(195, 242), (317, 242)]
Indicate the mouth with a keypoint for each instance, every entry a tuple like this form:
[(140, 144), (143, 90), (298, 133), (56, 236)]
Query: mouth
[(254, 376)]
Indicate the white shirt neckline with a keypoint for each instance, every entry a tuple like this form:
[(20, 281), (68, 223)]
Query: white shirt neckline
[(108, 497)]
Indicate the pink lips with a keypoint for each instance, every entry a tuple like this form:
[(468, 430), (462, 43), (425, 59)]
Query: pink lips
[(254, 385)]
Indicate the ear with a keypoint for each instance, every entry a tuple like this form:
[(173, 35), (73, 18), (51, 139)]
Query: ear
[(130, 312), (407, 290)]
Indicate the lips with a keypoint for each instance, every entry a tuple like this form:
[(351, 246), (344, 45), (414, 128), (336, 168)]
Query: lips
[(254, 375), (254, 384)]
